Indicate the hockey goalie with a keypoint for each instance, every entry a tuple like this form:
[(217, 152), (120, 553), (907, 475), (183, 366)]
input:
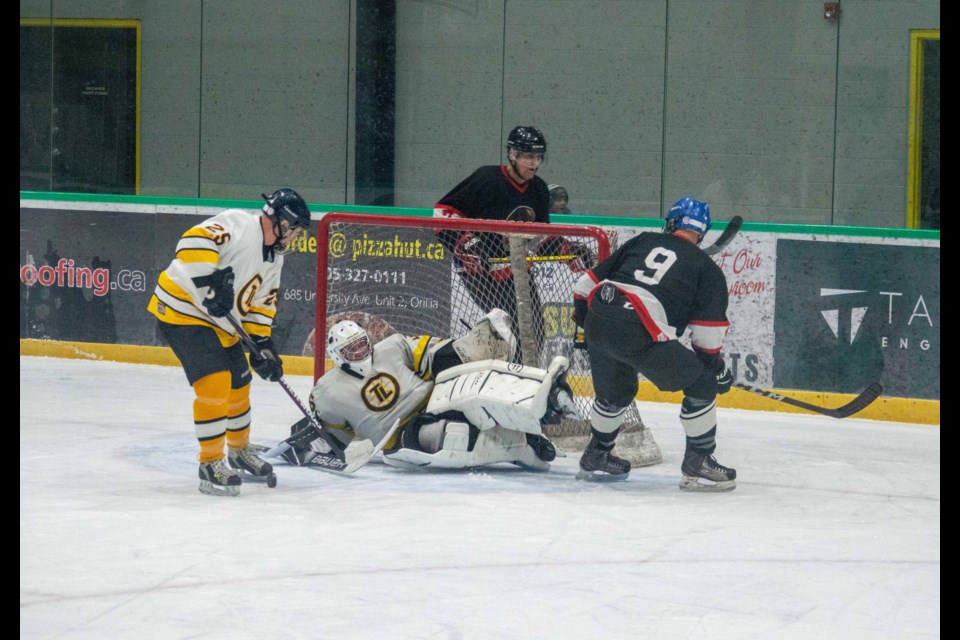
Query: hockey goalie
[(458, 402)]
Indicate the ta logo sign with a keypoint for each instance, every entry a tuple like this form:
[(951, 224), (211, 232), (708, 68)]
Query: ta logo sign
[(844, 320)]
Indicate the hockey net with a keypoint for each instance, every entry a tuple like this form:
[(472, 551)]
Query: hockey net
[(401, 274)]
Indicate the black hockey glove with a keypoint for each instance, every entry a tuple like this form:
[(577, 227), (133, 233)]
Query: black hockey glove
[(467, 250), (267, 363), (715, 364), (583, 259), (219, 300), (724, 377)]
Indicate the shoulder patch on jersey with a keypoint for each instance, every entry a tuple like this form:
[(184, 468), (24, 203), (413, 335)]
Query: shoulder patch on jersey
[(380, 392)]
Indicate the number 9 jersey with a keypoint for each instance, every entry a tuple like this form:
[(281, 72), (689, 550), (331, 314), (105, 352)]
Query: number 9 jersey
[(669, 283)]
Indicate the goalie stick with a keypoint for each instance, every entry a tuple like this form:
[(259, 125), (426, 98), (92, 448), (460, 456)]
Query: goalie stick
[(349, 460), (856, 405), (336, 459), (733, 227)]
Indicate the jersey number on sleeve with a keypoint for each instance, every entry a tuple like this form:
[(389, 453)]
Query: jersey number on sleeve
[(218, 233), (658, 261)]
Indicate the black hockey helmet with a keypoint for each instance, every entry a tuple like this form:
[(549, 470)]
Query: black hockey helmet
[(286, 205), (527, 139)]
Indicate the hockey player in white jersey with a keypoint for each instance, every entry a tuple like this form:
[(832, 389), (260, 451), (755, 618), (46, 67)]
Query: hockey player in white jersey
[(228, 265), (458, 402)]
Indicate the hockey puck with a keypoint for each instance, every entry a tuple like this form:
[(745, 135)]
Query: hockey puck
[(272, 480)]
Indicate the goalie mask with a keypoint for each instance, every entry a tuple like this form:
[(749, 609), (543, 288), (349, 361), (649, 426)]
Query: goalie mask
[(349, 348), (690, 214)]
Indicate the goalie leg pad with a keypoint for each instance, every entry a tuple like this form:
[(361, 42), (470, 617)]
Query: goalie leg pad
[(496, 393), (443, 444), (505, 445), (490, 338), (492, 446)]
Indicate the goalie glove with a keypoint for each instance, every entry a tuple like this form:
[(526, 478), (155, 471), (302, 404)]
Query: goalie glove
[(266, 363), (219, 298)]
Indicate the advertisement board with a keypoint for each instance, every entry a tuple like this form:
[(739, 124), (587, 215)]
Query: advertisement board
[(87, 276), (398, 272), (849, 314), (808, 312)]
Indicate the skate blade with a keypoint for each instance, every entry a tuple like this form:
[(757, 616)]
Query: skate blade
[(601, 476), (212, 489), (270, 479), (532, 468), (689, 483)]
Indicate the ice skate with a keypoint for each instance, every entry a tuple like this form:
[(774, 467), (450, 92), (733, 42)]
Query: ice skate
[(704, 473), (217, 479), (537, 454), (598, 464), (251, 466), (542, 447)]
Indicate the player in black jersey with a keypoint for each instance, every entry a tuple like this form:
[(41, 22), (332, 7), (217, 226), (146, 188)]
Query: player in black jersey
[(494, 192), (510, 192), (633, 307)]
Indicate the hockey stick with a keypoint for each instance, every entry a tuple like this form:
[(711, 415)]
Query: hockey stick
[(856, 405), (563, 258), (733, 227), (355, 456), (335, 448)]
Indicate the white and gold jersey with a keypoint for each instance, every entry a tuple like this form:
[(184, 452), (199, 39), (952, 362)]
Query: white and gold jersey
[(397, 389), (233, 238)]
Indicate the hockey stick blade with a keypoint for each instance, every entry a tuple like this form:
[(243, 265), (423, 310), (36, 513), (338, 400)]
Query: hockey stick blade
[(377, 448), (861, 402), (733, 227), (353, 457)]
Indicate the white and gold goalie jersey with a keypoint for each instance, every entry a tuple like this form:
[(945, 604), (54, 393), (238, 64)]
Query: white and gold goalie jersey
[(233, 238), (397, 389)]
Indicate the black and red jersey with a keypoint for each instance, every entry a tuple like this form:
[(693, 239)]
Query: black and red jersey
[(490, 194), (670, 284)]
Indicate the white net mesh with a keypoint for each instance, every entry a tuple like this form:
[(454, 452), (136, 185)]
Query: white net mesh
[(415, 276)]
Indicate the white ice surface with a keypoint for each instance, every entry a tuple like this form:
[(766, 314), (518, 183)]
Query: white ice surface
[(832, 532)]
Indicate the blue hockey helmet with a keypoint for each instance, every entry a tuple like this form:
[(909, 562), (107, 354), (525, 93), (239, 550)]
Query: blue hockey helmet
[(688, 213)]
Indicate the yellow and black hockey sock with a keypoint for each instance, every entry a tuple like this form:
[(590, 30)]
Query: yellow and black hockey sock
[(210, 413), (238, 418)]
